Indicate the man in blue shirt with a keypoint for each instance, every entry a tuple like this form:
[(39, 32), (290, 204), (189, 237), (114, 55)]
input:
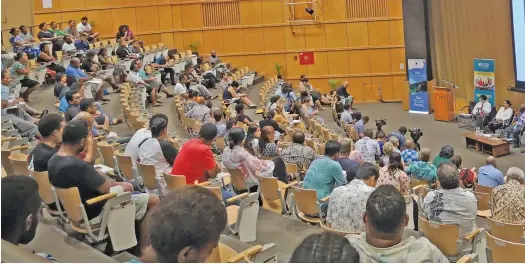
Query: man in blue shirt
[(400, 135), (73, 70), (82, 43), (324, 174), (287, 93), (360, 126), (489, 175)]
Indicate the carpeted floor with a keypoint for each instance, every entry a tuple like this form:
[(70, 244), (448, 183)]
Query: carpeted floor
[(271, 228)]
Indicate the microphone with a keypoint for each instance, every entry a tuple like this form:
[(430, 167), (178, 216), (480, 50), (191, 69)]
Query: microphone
[(451, 84)]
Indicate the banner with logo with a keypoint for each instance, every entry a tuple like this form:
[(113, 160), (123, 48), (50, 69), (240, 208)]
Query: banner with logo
[(417, 78), (484, 79)]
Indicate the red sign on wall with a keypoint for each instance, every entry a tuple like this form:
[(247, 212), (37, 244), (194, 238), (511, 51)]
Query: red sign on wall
[(306, 58)]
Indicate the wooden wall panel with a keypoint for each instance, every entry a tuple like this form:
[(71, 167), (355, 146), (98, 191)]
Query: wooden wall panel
[(151, 39), (293, 69), (192, 37), (380, 61), (315, 37), (66, 16), (69, 4), (165, 18), (257, 62), (121, 2), (367, 9), (338, 62), (397, 34), (236, 61), (191, 16), (360, 87), (273, 39), (98, 3), (253, 40), (294, 37), (333, 10), (272, 11), (145, 19), (233, 40), (385, 84), (176, 17), (167, 39), (47, 18), (178, 39), (379, 33), (359, 62), (123, 16), (101, 20), (398, 58), (357, 34), (336, 36), (395, 8), (212, 40), (399, 84), (272, 60), (251, 12)]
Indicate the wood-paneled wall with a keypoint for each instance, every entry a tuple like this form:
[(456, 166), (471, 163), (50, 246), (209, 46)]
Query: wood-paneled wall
[(356, 40), (468, 29)]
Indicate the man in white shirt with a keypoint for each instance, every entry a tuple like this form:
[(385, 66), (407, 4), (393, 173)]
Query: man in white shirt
[(69, 44), (85, 28), (481, 110), (214, 59), (503, 117), (180, 87)]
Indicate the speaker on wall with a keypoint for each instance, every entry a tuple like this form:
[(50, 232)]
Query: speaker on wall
[(416, 27)]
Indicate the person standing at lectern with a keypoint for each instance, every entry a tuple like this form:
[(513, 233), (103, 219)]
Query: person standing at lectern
[(481, 110)]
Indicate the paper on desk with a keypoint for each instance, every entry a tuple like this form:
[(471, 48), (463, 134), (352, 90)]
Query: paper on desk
[(103, 168)]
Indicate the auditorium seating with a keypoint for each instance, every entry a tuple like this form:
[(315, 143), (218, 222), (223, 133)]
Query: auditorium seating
[(502, 251)]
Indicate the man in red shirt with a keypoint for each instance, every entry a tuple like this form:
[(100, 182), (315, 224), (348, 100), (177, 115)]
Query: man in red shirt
[(196, 162), (195, 159)]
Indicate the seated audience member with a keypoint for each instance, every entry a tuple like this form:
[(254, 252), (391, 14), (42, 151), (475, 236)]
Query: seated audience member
[(283, 119), (45, 35), (241, 117), (516, 127), (24, 123), (66, 171), (349, 166), (394, 175), (251, 144), (343, 93), (82, 43), (450, 204), (71, 29), (467, 177), (368, 147), (225, 81), (201, 110), (21, 70), (503, 117), (135, 47), (73, 99), (422, 169), (388, 149), (489, 175), (180, 87), (149, 77), (50, 127), (61, 87), (102, 120), (90, 65), (324, 174), (444, 155), (395, 143), (53, 28), (152, 152), (269, 121), (214, 59), (325, 248), (236, 157), (346, 115), (409, 155), (76, 87), (190, 101), (162, 62), (193, 241), (298, 153), (135, 79), (74, 70), (123, 52), (218, 122), (106, 62), (356, 155), (317, 98), (400, 135), (348, 202), (381, 140), (234, 92), (69, 44), (307, 110), (125, 33), (267, 147), (382, 242), (272, 104), (360, 125), (19, 43), (26, 35), (89, 152), (84, 28), (507, 201), (21, 205), (481, 110), (45, 56)]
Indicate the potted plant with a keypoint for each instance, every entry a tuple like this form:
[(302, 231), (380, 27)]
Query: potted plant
[(194, 46), (333, 84), (279, 70)]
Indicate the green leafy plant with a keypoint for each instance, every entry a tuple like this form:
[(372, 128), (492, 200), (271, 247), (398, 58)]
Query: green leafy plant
[(279, 69), (194, 46), (333, 84)]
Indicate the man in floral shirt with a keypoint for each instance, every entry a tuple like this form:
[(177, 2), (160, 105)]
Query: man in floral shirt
[(298, 153), (348, 203), (409, 155), (368, 147)]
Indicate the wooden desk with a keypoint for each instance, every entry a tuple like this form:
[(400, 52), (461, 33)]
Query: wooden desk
[(493, 146)]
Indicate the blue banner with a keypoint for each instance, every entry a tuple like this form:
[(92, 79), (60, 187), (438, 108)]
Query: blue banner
[(488, 93), (417, 77), (484, 79)]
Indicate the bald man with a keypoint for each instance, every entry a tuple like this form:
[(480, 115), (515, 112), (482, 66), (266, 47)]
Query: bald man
[(214, 59), (489, 175)]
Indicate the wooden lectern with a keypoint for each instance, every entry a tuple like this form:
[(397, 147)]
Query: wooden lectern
[(443, 104)]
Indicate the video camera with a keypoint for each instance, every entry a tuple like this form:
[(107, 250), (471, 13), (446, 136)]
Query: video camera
[(379, 125), (416, 134)]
